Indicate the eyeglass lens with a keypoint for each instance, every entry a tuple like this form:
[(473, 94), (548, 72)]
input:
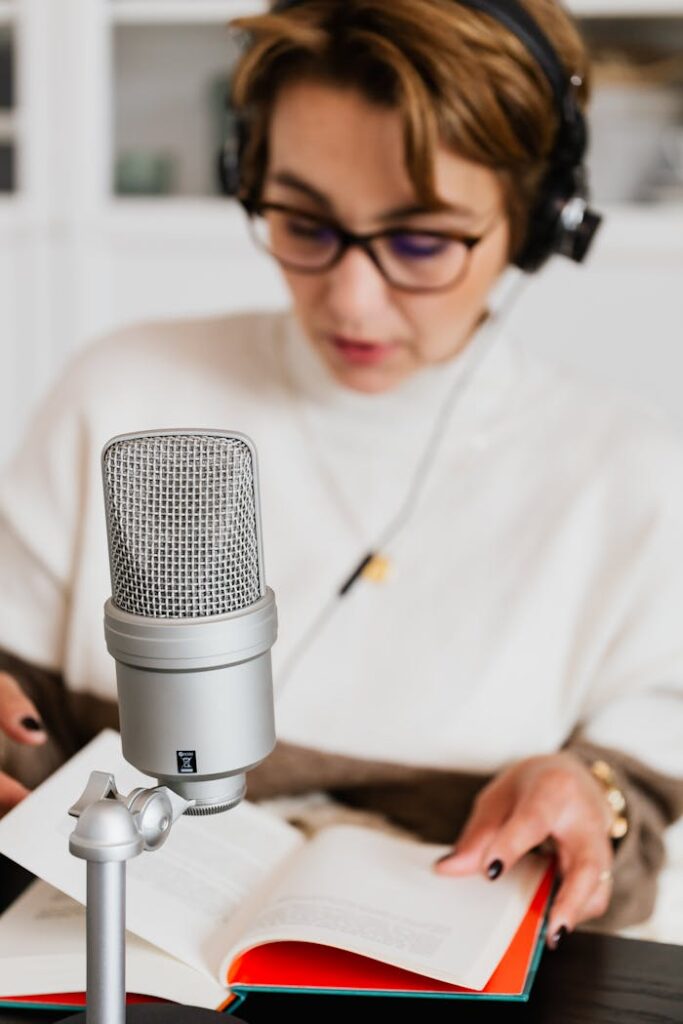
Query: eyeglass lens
[(410, 259)]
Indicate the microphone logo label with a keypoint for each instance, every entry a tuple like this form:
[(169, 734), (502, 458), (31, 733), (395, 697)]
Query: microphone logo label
[(187, 762)]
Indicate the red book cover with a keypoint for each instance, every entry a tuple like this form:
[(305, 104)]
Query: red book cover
[(300, 966)]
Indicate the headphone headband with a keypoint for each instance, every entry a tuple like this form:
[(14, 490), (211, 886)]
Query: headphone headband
[(517, 20)]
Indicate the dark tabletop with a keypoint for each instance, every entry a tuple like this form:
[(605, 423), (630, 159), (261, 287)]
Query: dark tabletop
[(589, 979)]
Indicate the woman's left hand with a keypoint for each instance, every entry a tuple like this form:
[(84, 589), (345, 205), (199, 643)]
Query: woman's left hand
[(551, 797)]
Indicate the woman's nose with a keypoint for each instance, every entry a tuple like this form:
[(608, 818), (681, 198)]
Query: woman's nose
[(355, 288)]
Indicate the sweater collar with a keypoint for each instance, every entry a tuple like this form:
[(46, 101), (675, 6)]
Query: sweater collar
[(481, 378)]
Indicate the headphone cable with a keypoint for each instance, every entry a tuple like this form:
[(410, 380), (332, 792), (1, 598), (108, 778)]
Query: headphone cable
[(477, 352)]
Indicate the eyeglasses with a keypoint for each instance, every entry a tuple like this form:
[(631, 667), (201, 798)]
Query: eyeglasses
[(411, 260)]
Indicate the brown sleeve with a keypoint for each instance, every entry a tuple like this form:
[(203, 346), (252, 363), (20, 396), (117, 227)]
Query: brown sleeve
[(70, 720), (653, 801), (430, 803)]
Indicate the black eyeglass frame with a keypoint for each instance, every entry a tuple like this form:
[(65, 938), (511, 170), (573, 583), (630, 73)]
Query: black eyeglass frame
[(350, 239)]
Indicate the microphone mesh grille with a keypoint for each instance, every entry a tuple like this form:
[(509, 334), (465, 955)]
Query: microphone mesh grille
[(182, 525)]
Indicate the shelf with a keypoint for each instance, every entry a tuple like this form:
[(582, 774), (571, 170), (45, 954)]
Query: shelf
[(632, 229), (626, 8), (18, 216), (180, 12), (213, 220), (628, 227)]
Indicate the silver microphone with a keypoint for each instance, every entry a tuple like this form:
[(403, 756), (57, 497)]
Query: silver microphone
[(190, 622)]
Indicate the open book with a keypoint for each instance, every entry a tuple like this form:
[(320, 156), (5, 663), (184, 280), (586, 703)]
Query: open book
[(243, 901)]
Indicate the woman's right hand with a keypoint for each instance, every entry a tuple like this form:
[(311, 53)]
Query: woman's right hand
[(19, 720)]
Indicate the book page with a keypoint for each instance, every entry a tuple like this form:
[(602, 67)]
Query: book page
[(377, 895), (181, 897), (42, 950)]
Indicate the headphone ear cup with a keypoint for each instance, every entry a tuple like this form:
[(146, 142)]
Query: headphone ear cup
[(544, 223), (561, 222)]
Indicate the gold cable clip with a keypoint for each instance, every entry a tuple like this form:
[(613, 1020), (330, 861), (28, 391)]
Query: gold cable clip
[(377, 569)]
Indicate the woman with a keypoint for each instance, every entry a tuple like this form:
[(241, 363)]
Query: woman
[(487, 676)]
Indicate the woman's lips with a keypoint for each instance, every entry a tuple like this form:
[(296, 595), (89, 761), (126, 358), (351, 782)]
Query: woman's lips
[(359, 352)]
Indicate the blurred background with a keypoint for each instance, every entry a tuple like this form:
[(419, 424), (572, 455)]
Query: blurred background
[(111, 114)]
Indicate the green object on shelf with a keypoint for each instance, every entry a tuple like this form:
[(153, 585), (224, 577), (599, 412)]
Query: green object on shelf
[(222, 119), (144, 173)]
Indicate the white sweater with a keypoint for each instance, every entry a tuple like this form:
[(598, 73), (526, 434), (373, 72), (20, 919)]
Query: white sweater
[(537, 587)]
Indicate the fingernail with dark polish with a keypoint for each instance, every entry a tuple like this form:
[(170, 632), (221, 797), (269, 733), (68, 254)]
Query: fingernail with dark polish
[(494, 868), (32, 724), (559, 935)]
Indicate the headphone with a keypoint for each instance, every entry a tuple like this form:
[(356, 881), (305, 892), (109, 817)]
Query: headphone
[(561, 220)]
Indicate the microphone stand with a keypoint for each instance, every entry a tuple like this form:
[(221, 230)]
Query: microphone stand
[(111, 829)]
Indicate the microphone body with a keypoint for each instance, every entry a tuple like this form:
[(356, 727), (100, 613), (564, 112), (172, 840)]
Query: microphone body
[(190, 623), (196, 698)]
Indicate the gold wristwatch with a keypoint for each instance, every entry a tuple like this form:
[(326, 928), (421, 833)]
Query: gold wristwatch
[(604, 774)]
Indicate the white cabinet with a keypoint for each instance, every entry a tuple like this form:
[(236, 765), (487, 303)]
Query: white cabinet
[(117, 96), (625, 8)]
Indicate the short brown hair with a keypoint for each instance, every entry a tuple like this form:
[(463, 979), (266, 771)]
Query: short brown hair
[(457, 76)]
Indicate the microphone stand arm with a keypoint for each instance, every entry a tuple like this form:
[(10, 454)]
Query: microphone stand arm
[(111, 829)]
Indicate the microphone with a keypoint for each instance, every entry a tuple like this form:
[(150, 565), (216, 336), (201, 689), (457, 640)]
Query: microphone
[(190, 622)]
